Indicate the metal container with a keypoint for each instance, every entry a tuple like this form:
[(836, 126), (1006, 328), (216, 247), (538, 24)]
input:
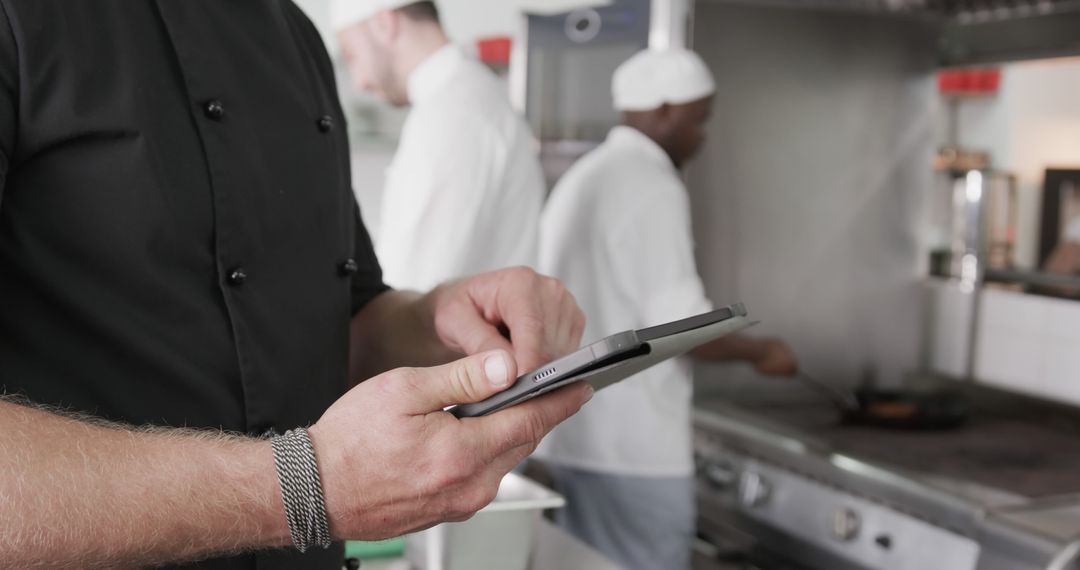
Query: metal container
[(979, 210), (499, 536)]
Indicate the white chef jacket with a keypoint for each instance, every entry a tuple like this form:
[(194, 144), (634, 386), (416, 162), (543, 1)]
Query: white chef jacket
[(464, 190), (616, 230)]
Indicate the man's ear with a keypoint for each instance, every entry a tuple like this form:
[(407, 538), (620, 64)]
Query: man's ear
[(385, 26), (350, 40), (665, 117)]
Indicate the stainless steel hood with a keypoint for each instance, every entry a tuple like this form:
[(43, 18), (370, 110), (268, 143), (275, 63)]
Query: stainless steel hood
[(963, 11), (973, 31)]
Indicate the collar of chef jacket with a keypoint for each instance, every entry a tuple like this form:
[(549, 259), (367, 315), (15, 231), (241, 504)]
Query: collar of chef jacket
[(434, 72), (623, 135)]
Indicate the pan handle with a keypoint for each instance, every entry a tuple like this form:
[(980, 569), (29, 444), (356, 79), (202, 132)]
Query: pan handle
[(842, 398)]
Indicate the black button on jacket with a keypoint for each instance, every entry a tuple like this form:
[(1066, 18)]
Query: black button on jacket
[(172, 225)]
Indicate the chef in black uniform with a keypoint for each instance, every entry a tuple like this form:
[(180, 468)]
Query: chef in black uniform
[(180, 247)]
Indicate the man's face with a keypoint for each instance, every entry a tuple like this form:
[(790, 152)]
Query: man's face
[(370, 63), (687, 128)]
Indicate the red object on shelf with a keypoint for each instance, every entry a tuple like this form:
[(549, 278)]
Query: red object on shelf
[(495, 51), (989, 80), (969, 82), (950, 81)]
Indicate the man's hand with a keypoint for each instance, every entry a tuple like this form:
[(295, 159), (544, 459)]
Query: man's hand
[(540, 319), (768, 356), (518, 310), (775, 358), (392, 461)]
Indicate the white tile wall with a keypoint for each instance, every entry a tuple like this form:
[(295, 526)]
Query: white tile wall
[(1026, 343), (1063, 320), (1061, 370), (1006, 311), (1008, 359)]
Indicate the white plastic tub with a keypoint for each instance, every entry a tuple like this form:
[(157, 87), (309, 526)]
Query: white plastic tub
[(499, 536)]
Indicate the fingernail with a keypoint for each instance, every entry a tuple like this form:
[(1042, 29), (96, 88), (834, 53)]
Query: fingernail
[(589, 393), (496, 370)]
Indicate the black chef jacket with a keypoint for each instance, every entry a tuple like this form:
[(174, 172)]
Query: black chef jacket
[(179, 243)]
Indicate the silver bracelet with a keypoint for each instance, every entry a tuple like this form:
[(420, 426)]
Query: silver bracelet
[(301, 489)]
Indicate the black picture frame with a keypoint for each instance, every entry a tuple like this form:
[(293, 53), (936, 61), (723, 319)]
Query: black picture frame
[(1050, 227)]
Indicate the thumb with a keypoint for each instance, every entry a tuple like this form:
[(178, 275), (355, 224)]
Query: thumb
[(466, 381)]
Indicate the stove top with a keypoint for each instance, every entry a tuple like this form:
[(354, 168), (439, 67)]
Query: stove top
[(1002, 489), (1012, 444)]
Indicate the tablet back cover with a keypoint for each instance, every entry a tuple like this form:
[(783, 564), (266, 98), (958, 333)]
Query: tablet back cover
[(662, 349)]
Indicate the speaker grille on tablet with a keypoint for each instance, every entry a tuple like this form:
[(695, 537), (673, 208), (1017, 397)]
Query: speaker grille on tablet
[(540, 376)]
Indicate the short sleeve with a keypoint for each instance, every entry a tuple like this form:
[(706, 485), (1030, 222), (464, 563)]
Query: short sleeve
[(367, 282), (9, 90)]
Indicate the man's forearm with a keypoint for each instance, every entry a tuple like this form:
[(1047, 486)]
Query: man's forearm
[(79, 495), (395, 329)]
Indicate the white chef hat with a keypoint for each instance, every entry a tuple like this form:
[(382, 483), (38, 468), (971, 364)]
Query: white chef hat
[(344, 13), (652, 78)]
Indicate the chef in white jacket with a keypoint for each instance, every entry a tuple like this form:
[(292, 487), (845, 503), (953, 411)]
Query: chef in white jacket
[(617, 231), (464, 190)]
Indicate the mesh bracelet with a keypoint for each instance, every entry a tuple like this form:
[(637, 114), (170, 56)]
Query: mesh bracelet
[(301, 489)]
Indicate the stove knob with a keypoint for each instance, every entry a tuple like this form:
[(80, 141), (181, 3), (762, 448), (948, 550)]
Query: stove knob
[(845, 525), (754, 490), (720, 475), (884, 541)]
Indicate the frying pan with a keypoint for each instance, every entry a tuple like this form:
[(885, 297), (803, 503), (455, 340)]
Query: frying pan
[(896, 408)]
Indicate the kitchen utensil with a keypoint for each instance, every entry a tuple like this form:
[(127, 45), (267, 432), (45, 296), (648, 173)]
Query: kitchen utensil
[(845, 401), (909, 408), (895, 408)]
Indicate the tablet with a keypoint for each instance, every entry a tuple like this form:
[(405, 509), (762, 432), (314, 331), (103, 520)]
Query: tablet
[(615, 358)]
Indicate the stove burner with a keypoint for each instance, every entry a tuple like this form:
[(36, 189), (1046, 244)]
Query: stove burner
[(1012, 445)]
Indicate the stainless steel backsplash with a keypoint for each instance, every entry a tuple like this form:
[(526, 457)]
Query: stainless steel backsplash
[(809, 198)]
